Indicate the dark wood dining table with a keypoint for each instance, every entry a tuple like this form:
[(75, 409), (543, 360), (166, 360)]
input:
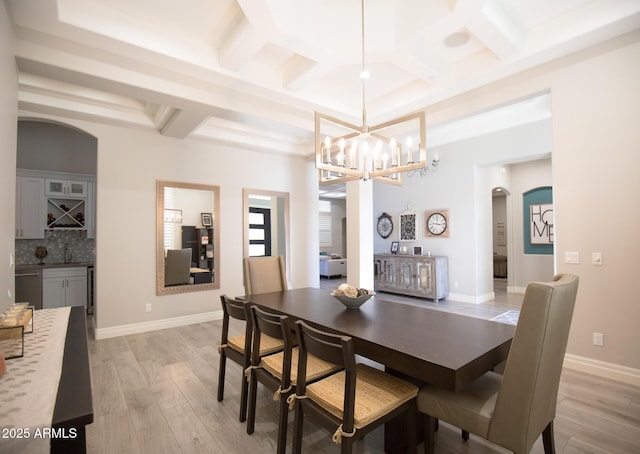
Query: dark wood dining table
[(431, 346)]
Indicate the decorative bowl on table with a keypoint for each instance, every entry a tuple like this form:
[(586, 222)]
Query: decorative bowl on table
[(352, 297)]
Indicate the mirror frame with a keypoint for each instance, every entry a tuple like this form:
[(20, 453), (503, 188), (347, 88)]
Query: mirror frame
[(246, 192), (160, 287)]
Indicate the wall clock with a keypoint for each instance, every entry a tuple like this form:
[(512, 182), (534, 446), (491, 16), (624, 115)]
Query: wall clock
[(408, 226), (385, 225), (437, 223)]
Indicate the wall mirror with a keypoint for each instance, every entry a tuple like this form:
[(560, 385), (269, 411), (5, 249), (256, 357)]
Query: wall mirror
[(266, 223), (187, 237)]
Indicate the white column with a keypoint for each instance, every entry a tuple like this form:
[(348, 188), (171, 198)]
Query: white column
[(360, 233)]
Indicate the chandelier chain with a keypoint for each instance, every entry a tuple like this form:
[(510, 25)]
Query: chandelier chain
[(365, 128)]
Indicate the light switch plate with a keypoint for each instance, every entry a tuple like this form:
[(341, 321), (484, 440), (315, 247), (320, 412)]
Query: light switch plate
[(596, 258), (572, 257)]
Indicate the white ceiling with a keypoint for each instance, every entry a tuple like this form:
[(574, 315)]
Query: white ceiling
[(253, 71)]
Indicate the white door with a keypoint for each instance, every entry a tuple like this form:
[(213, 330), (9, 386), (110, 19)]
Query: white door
[(54, 292), (30, 209), (77, 291)]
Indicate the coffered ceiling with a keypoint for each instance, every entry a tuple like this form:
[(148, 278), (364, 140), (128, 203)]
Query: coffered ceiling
[(253, 71)]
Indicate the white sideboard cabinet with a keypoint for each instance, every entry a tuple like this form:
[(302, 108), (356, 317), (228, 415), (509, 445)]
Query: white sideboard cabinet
[(413, 275)]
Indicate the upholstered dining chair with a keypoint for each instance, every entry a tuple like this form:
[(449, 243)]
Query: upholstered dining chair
[(177, 265), (352, 402), (278, 371), (513, 409), (238, 348), (264, 274)]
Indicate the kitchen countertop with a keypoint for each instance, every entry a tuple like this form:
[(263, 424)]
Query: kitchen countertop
[(31, 266)]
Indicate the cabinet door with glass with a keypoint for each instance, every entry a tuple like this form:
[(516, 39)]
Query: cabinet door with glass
[(56, 187)]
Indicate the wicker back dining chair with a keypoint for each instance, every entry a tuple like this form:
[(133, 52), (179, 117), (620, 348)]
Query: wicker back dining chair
[(238, 348), (264, 274), (352, 402), (277, 371), (513, 409)]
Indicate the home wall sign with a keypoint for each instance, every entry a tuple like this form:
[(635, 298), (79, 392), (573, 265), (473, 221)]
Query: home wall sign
[(538, 221), (541, 219)]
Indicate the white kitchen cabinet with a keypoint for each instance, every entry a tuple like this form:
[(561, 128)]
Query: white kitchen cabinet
[(64, 287), (56, 187), (30, 208)]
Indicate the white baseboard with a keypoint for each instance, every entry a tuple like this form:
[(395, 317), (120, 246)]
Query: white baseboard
[(473, 299), (519, 290), (461, 298), (602, 369), (136, 328)]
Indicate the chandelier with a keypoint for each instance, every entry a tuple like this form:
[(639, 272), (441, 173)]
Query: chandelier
[(347, 152)]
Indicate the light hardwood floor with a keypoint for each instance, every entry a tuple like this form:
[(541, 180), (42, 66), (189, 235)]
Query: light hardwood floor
[(156, 393)]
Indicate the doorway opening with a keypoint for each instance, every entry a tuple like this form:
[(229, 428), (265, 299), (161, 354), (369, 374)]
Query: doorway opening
[(500, 239)]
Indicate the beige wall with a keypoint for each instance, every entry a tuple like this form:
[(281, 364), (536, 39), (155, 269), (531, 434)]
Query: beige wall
[(129, 163), (8, 133), (595, 107)]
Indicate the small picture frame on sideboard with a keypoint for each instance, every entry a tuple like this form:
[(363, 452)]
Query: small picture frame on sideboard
[(417, 250), (395, 246)]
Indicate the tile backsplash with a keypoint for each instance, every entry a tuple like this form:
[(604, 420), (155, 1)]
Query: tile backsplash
[(82, 249)]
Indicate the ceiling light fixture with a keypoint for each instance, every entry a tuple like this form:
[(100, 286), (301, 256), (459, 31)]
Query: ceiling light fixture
[(346, 152)]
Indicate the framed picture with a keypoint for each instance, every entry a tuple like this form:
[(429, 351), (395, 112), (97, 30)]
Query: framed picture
[(207, 219), (408, 226), (417, 250), (173, 216), (395, 246)]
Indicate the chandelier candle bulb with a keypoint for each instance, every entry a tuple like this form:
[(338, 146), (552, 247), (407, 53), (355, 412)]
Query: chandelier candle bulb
[(392, 145), (352, 153), (327, 146)]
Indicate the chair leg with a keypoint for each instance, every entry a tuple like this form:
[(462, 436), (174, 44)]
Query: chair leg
[(412, 433), (346, 446), (251, 413), (429, 434), (221, 373), (465, 435), (283, 420), (548, 439), (298, 420), (244, 391)]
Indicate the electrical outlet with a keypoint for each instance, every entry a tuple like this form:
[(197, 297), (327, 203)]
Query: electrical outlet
[(148, 307), (598, 339)]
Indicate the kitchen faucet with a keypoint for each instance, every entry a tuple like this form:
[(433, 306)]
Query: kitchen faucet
[(67, 254)]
